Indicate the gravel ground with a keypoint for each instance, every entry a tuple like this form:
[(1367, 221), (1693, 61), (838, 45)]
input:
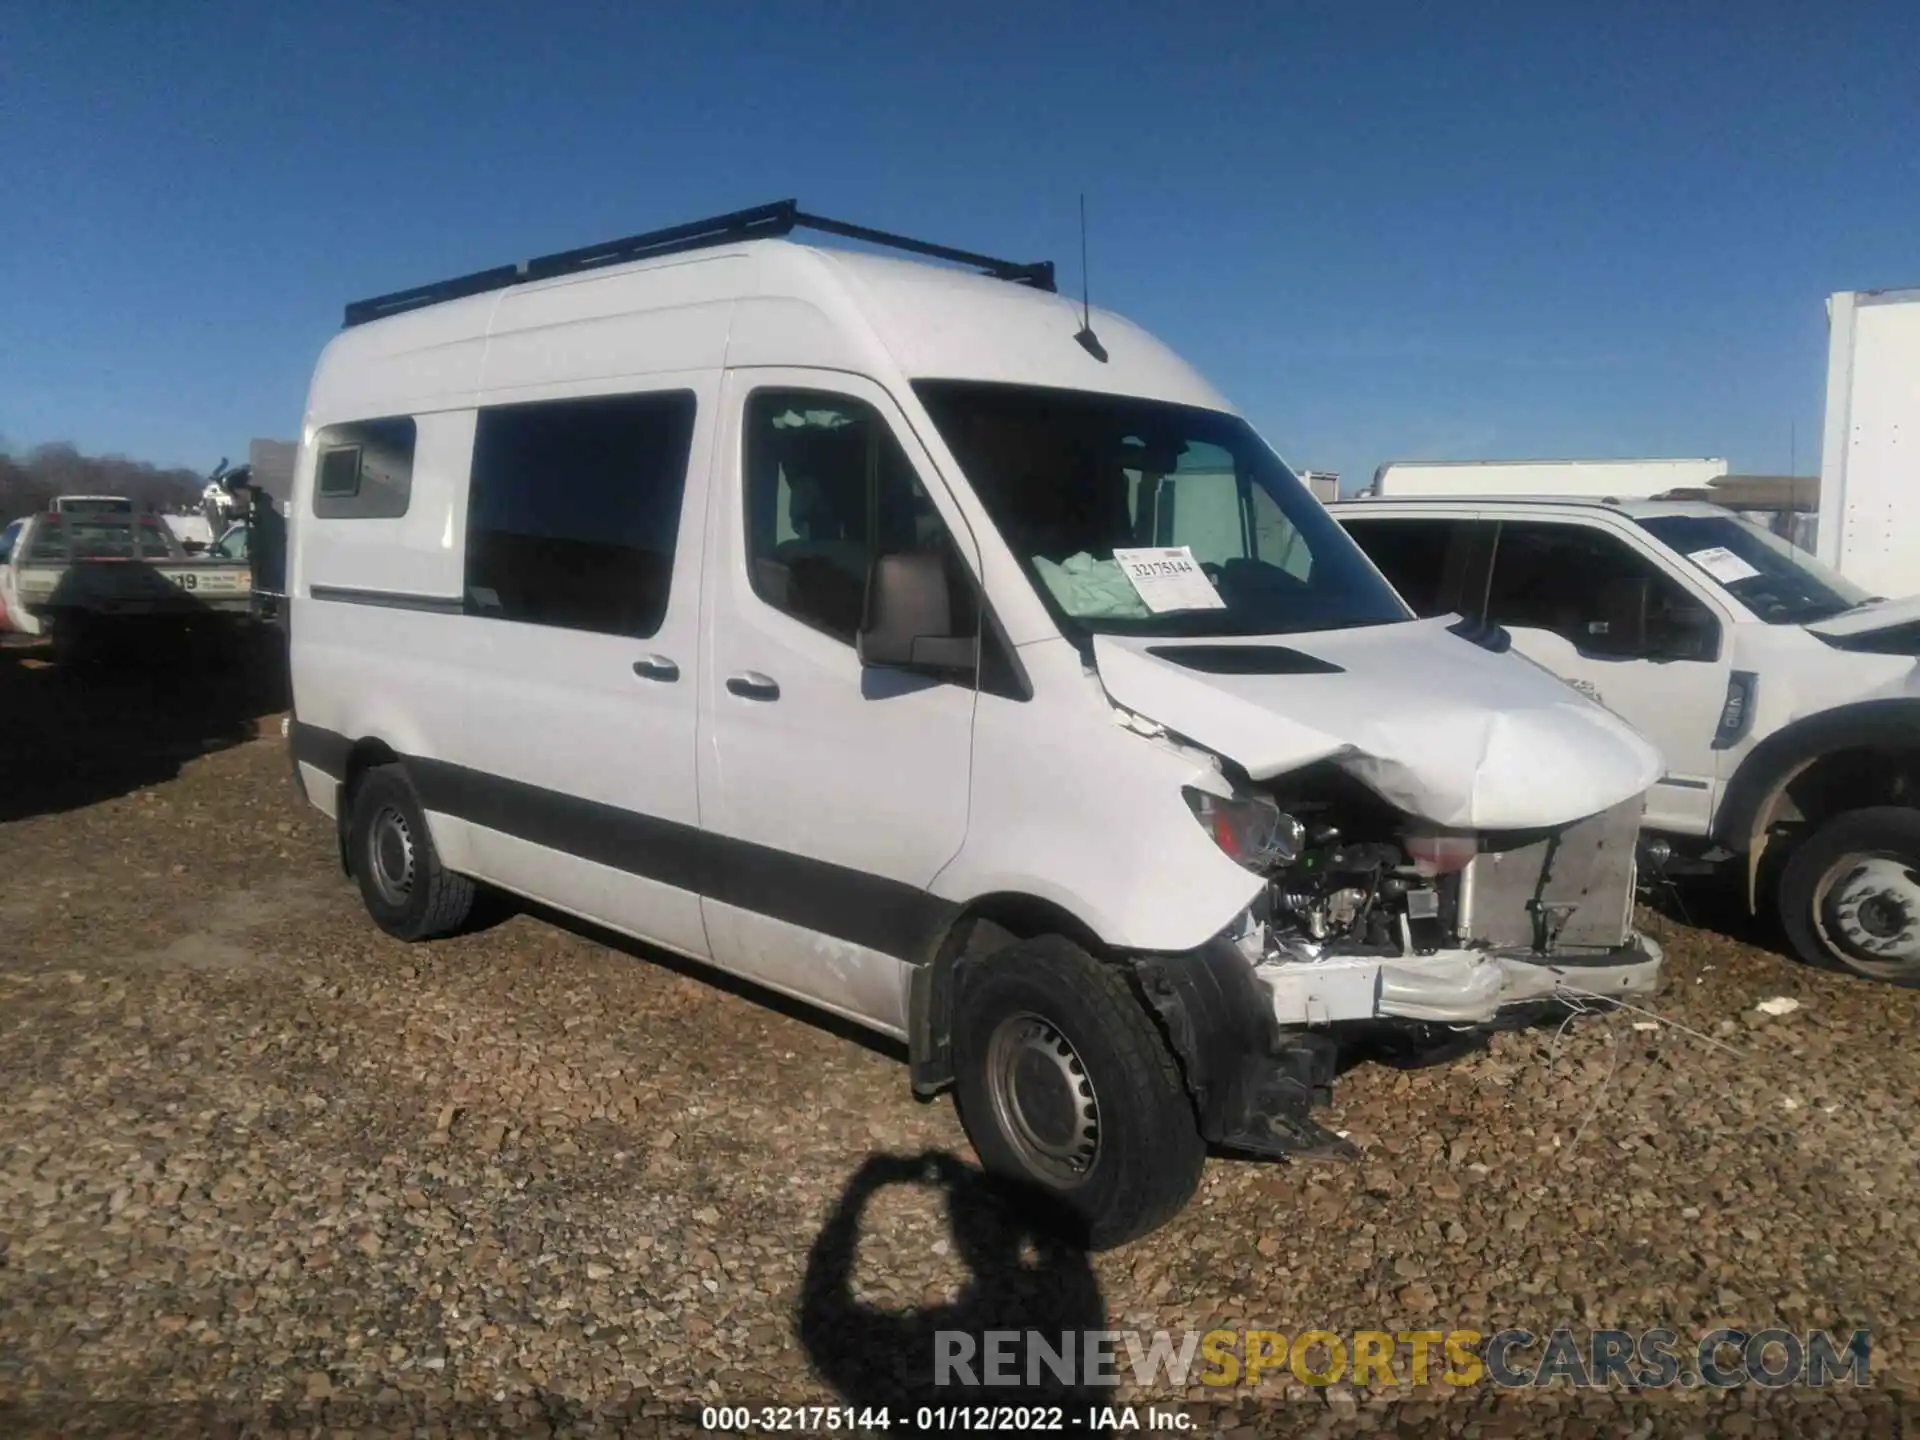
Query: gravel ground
[(257, 1160)]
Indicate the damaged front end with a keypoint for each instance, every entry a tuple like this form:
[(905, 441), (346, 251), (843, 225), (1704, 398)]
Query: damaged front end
[(1444, 838), (1380, 935), (1381, 916)]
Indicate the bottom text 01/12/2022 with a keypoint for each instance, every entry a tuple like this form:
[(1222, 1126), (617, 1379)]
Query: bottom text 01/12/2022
[(937, 1419)]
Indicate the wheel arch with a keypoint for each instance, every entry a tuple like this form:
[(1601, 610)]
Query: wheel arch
[(365, 754), (984, 925), (1816, 767)]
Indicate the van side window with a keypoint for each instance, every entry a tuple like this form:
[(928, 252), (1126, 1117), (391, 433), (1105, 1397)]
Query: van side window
[(364, 470), (575, 508), (1594, 590), (828, 490), (7, 537)]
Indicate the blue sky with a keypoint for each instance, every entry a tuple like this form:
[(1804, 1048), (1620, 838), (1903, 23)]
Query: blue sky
[(1386, 230)]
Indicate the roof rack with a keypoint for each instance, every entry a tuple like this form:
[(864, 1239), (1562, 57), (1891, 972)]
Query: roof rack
[(763, 222)]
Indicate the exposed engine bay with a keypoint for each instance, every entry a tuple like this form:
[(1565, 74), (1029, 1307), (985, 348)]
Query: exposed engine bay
[(1349, 875)]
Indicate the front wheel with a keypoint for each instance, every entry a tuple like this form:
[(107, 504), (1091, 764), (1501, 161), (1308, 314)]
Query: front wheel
[(1065, 1086), (1850, 895)]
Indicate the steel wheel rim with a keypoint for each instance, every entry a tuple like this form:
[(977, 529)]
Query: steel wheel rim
[(1043, 1100), (390, 855), (1867, 909)]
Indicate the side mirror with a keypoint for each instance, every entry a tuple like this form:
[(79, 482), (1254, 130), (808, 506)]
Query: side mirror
[(908, 624)]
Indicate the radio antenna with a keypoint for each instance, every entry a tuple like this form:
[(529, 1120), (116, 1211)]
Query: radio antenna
[(1089, 341)]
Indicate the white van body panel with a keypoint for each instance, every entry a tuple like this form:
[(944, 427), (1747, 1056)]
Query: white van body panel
[(1073, 807), (408, 364), (595, 333)]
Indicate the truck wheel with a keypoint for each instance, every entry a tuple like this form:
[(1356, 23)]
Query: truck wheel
[(1850, 895), (1065, 1085), (409, 893)]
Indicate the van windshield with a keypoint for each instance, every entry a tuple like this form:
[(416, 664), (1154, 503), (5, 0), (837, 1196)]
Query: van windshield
[(1081, 485), (1778, 581)]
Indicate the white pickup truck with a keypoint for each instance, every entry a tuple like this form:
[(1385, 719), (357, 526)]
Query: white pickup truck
[(1785, 699), (83, 578)]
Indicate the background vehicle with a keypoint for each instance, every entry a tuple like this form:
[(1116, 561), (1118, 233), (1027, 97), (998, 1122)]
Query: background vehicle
[(192, 531), (1869, 475), (927, 647), (90, 580), (1785, 699), (232, 545), (1596, 479), (92, 505), (252, 527)]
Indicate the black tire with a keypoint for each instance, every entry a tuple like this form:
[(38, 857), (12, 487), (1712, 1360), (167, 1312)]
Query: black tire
[(1115, 1081), (1849, 896), (408, 892)]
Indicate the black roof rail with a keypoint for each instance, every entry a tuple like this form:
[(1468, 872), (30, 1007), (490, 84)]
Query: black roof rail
[(760, 223)]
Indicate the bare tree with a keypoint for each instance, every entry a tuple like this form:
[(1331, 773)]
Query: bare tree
[(30, 482)]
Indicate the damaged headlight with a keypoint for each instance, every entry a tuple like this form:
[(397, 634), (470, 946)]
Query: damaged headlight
[(1250, 829)]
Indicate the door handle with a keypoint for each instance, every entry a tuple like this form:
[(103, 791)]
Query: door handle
[(752, 685), (656, 667)]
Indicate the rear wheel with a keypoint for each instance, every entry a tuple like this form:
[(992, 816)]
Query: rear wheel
[(407, 891), (1850, 895), (1065, 1086)]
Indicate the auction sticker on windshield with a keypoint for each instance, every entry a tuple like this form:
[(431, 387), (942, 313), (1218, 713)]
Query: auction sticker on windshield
[(1169, 578), (1722, 564)]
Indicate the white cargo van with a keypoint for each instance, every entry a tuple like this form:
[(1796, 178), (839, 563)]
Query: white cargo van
[(904, 639), (1785, 698)]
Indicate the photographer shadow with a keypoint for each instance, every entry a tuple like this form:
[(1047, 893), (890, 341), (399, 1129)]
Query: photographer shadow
[(1027, 1270)]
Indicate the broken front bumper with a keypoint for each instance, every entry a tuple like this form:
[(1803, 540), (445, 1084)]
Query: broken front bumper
[(1255, 1042), (1453, 987)]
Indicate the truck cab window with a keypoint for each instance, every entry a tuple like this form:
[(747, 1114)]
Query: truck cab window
[(7, 538), (1427, 561), (1594, 591), (828, 491)]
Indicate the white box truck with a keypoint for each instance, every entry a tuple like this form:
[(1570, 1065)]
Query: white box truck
[(1584, 479), (1870, 447)]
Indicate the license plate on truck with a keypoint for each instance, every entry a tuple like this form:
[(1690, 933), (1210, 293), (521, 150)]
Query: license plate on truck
[(190, 580)]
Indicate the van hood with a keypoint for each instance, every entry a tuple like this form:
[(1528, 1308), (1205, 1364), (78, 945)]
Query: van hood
[(1439, 727), (1865, 619)]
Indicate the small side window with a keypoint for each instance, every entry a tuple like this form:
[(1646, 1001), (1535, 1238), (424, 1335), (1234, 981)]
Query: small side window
[(364, 470), (7, 538)]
